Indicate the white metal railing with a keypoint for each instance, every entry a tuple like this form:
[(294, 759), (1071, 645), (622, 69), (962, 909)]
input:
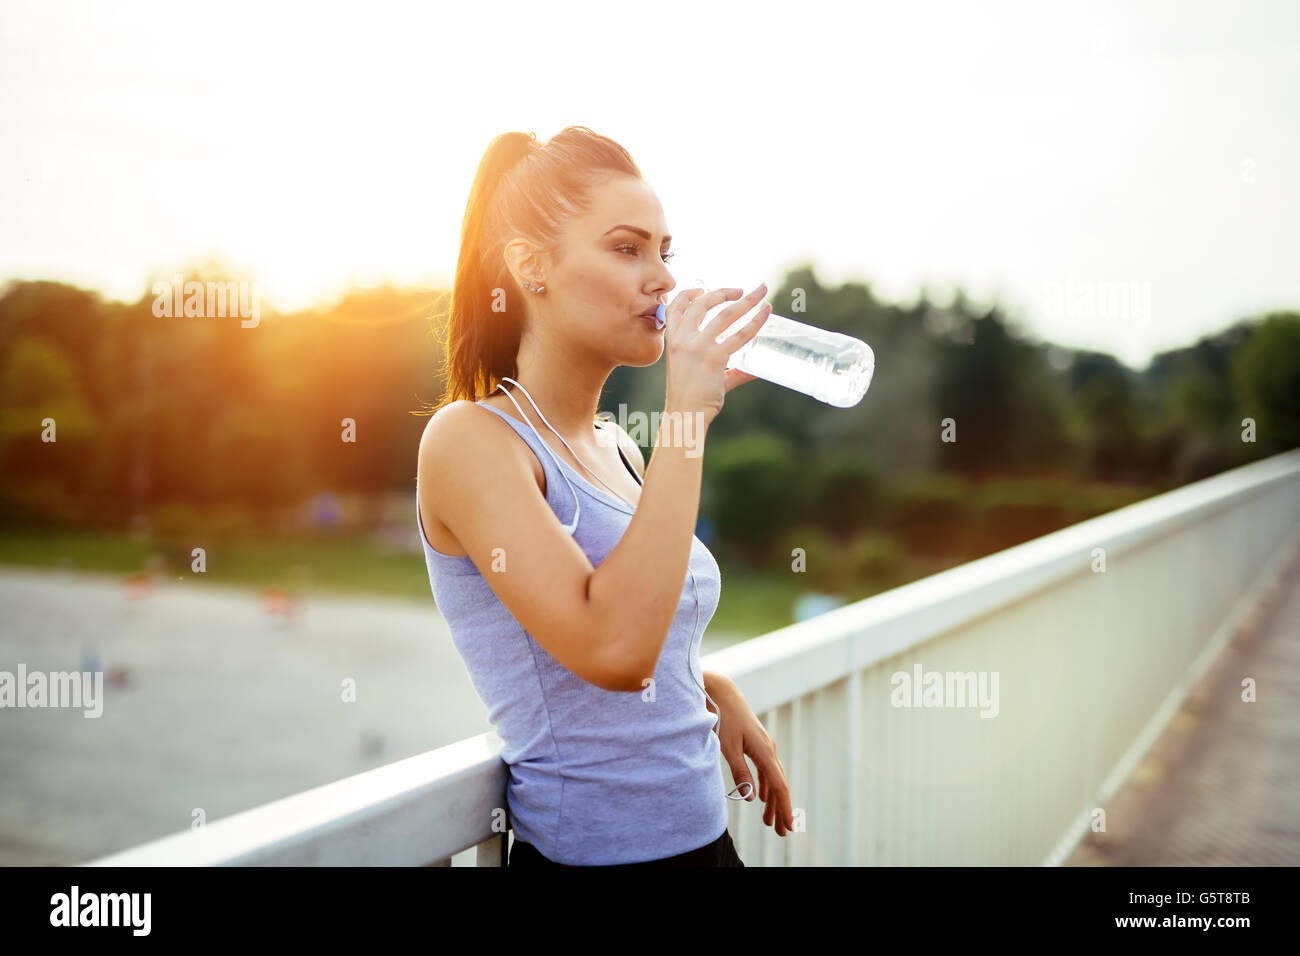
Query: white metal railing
[(1090, 665)]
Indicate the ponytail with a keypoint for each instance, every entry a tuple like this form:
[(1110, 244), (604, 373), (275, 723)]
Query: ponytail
[(522, 189)]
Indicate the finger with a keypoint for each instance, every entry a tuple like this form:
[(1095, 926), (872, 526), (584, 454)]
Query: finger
[(771, 816), (778, 811), (740, 776), (783, 806), (701, 305), (780, 817), (723, 320), (679, 304), (747, 330), (744, 789), (768, 808), (781, 800), (686, 297), (674, 310)]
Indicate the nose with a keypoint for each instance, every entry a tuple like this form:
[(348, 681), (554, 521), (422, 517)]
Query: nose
[(664, 281)]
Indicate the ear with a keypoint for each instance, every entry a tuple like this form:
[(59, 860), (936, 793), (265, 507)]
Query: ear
[(525, 262)]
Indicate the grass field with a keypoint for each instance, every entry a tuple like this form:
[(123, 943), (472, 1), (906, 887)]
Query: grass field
[(751, 603)]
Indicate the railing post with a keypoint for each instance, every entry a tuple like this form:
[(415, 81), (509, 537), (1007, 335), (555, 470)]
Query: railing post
[(492, 852)]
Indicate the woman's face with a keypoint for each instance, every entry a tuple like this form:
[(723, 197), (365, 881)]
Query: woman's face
[(608, 268)]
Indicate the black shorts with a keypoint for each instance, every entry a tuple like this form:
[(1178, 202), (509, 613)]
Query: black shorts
[(721, 852)]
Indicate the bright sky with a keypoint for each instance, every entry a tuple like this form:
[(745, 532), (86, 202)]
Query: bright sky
[(1121, 176)]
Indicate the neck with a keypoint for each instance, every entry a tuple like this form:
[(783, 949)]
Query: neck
[(565, 385)]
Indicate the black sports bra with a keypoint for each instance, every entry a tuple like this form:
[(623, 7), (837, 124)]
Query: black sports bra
[(622, 454)]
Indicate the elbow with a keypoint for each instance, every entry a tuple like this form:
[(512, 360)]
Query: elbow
[(637, 673), (622, 669), (614, 678), (623, 672), (634, 683)]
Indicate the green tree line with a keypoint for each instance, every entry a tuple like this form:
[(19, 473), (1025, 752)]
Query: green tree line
[(208, 418)]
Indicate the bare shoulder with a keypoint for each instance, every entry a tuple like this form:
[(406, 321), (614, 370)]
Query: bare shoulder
[(466, 438), (446, 429)]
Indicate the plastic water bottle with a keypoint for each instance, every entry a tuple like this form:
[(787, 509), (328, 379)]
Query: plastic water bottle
[(831, 367)]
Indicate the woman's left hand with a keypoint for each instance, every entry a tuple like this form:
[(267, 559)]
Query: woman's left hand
[(740, 734)]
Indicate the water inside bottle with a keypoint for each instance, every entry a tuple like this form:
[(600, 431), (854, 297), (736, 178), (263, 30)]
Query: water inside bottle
[(833, 368), (829, 366)]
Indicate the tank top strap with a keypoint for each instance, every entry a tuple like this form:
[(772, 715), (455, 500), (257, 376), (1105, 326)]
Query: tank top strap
[(538, 445)]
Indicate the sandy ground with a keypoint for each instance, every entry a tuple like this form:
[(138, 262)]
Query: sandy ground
[(224, 705)]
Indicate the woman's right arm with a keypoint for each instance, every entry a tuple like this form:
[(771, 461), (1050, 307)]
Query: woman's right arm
[(636, 589), (608, 624), (475, 478)]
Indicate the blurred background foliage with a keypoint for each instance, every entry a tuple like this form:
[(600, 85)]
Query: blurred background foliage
[(180, 432)]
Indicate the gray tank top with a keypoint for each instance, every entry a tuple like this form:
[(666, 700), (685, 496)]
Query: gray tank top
[(597, 777)]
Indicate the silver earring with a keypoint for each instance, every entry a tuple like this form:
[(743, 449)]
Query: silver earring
[(534, 288)]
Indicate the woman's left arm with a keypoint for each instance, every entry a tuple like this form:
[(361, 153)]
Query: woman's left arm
[(740, 734)]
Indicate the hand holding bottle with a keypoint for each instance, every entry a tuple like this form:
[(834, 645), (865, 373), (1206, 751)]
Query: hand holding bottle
[(698, 377), (829, 366)]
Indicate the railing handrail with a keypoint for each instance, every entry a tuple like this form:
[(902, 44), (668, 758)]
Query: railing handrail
[(389, 808), (884, 625)]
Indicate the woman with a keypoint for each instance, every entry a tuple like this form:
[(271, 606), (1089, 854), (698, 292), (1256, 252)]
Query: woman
[(576, 595)]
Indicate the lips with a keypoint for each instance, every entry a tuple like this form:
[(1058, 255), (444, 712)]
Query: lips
[(652, 316)]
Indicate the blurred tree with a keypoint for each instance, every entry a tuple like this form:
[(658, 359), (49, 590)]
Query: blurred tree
[(846, 492), (757, 487), (60, 314), (200, 414), (38, 383), (1266, 377), (1104, 416), (810, 553), (1194, 408), (998, 389)]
